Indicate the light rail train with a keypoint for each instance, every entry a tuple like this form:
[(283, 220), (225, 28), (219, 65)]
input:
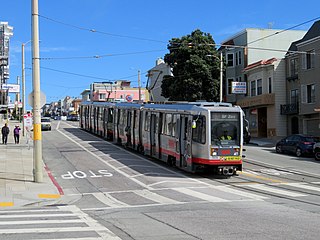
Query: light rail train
[(193, 136)]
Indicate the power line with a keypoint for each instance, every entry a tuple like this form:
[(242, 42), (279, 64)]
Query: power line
[(100, 32), (100, 56), (284, 30)]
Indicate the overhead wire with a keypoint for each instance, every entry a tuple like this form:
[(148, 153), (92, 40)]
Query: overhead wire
[(100, 32)]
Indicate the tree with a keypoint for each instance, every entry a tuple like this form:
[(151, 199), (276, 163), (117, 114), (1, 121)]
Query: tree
[(195, 65)]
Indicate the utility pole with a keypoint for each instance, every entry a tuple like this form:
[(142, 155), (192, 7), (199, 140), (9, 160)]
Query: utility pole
[(37, 135), (139, 85), (18, 99), (221, 75), (23, 86)]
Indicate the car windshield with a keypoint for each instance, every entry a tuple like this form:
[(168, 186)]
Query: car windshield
[(45, 120)]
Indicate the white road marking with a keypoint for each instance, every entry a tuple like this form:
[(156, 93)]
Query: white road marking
[(303, 186), (275, 190), (199, 195), (154, 197), (240, 193), (94, 225), (107, 199)]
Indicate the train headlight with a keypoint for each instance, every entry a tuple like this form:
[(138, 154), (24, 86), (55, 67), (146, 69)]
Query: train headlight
[(236, 152), (214, 151)]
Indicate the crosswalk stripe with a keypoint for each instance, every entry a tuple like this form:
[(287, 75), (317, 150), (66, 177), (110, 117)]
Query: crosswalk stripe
[(240, 193), (277, 191), (303, 186), (78, 238), (41, 222), (200, 195), (104, 232), (37, 215), (154, 197), (51, 230), (109, 200)]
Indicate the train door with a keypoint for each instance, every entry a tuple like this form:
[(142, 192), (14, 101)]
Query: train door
[(105, 122), (128, 128), (183, 140), (135, 130), (153, 130)]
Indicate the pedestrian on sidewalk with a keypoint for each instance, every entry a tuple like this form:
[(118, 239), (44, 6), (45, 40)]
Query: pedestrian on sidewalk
[(16, 134), (5, 132)]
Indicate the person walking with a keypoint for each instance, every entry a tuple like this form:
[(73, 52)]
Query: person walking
[(16, 134), (5, 132)]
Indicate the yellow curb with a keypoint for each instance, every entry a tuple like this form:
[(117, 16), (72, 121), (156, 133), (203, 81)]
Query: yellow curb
[(49, 195), (6, 204)]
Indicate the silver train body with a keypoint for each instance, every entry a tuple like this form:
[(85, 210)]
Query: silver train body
[(187, 135)]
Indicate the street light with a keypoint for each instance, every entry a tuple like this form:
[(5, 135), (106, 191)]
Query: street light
[(221, 73)]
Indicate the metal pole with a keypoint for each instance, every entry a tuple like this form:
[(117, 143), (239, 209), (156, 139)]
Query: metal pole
[(221, 76), (18, 99), (37, 141), (139, 85), (23, 87)]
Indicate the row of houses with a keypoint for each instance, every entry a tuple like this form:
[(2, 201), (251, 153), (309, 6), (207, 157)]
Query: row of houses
[(281, 90), (277, 71)]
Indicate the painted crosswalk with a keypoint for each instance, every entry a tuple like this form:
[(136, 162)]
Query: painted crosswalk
[(213, 194), (65, 222)]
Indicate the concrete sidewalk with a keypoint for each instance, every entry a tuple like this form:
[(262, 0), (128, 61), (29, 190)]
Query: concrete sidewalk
[(17, 186)]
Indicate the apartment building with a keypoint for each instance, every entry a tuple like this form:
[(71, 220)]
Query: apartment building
[(6, 32), (254, 58), (302, 107)]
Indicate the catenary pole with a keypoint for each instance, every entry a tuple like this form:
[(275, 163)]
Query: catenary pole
[(221, 76), (37, 141)]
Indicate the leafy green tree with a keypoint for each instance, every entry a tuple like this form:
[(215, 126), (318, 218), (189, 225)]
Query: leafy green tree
[(195, 65)]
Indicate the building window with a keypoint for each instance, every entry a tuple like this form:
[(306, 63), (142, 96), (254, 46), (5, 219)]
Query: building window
[(102, 96), (293, 67), (259, 86), (308, 93), (308, 59), (237, 59), (253, 88), (230, 80), (294, 96), (270, 85), (230, 60), (311, 93), (240, 57)]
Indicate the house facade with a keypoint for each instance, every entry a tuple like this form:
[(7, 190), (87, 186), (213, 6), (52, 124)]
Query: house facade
[(266, 93), (302, 107), (155, 77), (249, 46)]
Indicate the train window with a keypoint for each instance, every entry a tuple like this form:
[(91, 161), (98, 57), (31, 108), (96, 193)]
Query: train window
[(110, 115), (225, 129), (163, 124), (168, 126), (199, 132), (174, 124), (147, 122)]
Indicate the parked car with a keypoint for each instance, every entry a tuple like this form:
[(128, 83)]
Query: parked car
[(316, 150), (45, 123), (298, 144)]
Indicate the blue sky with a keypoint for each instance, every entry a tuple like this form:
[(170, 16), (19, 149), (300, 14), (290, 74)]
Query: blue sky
[(131, 34)]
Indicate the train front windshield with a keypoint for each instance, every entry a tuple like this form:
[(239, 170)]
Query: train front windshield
[(225, 129)]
